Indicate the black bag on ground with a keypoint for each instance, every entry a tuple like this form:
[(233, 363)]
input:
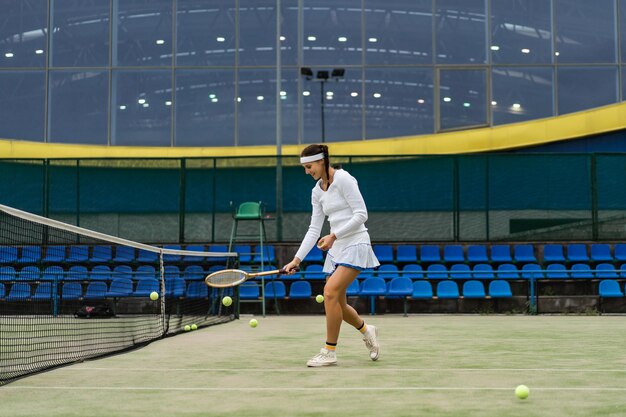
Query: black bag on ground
[(94, 311)]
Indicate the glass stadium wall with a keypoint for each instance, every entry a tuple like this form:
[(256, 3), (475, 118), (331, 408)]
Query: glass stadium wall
[(191, 73), (488, 197)]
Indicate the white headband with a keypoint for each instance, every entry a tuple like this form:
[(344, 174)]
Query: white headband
[(312, 158)]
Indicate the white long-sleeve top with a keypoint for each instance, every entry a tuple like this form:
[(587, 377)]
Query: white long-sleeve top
[(344, 206)]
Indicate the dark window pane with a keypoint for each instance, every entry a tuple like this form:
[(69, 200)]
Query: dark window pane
[(144, 33), (332, 33), (585, 31), (520, 93), (398, 31), (461, 30), (79, 102), (81, 34), (23, 103), (141, 108), (257, 32), (206, 33), (23, 28), (583, 88), (521, 31), (398, 102), (462, 98), (205, 108), (332, 109)]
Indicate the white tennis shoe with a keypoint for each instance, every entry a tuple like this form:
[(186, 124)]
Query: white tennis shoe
[(324, 358), (371, 341)]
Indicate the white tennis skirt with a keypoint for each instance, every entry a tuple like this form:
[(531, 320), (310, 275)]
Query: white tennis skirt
[(353, 252)]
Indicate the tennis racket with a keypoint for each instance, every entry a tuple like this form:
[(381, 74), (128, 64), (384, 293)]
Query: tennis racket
[(233, 277)]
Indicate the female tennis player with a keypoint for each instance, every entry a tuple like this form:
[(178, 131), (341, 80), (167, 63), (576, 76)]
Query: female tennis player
[(336, 195)]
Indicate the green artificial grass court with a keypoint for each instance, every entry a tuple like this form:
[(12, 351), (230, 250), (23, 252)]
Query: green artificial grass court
[(430, 365)]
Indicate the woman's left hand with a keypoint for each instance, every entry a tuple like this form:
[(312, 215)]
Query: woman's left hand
[(326, 242)]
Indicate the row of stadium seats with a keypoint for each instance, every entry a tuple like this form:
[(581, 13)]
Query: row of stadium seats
[(124, 254), (575, 252)]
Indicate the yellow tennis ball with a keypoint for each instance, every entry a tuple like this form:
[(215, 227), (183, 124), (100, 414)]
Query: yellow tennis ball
[(227, 301), (194, 327), (187, 327), (154, 295), (253, 323), (522, 392), (319, 298)]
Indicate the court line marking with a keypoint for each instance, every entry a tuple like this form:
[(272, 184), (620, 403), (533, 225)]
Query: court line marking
[(259, 389), (370, 369)]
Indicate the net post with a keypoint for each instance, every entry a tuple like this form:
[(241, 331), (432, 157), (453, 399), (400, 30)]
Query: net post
[(162, 295)]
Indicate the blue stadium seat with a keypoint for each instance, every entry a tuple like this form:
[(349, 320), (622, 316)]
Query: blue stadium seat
[(71, 291), (422, 289), (353, 289), (145, 287), (483, 271), (122, 271), (100, 273), (300, 290), (473, 289), (171, 271), (244, 252), (194, 273), (29, 273), (606, 271), (53, 273), (556, 271), (477, 254), (194, 259), (384, 253), (20, 291), (553, 253), (124, 255), (172, 258), (501, 254), (460, 271), (269, 254), (96, 290), (120, 287), (387, 271), (314, 255), (620, 252), (175, 287), (275, 289), (77, 273), (524, 253), (412, 271), (2, 292), (197, 290), (249, 291), (7, 273), (507, 271), (314, 272), (500, 289), (581, 271), (400, 287), (430, 253), (609, 288), (101, 254), (373, 287), (54, 254), (447, 289), (622, 272), (217, 259), (601, 252), (45, 291), (577, 252), (30, 255), (406, 254), (8, 254), (78, 254), (532, 271), (436, 271), (146, 271), (147, 257), (453, 253)]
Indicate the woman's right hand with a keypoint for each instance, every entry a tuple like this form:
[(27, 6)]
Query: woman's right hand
[(292, 267)]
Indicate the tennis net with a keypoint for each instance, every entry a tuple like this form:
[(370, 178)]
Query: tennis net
[(69, 294)]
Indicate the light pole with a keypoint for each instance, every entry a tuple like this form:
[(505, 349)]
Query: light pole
[(322, 77)]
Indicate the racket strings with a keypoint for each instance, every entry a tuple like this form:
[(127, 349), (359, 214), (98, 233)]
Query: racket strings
[(229, 277)]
